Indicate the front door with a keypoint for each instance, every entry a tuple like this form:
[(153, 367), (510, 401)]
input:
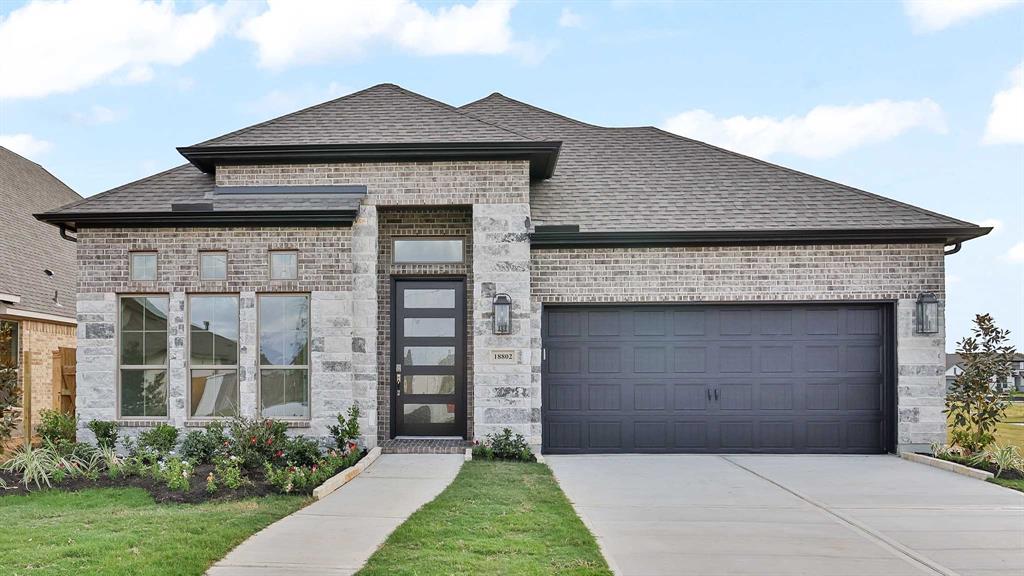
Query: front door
[(428, 371)]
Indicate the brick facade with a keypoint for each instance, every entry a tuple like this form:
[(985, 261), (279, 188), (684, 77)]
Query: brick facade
[(40, 340), (895, 272)]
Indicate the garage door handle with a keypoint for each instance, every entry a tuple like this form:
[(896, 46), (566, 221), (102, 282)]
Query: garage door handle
[(709, 394), (716, 394)]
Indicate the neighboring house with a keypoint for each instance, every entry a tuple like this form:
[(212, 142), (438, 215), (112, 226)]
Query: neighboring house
[(665, 295), (37, 273), (1015, 381)]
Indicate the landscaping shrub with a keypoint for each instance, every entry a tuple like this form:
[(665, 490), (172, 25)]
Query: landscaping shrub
[(10, 392), (56, 427), (200, 446), (176, 472), (302, 479), (255, 441), (504, 446), (301, 451), (35, 465), (974, 407), (160, 439), (346, 431), (106, 432), (229, 471)]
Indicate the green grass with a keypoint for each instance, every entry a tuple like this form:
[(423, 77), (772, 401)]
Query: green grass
[(1012, 484), (1009, 431), (123, 531), (495, 518)]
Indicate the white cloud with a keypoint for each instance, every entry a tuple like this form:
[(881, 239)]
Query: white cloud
[(57, 47), (25, 144), (94, 116), (824, 132), (293, 31), (934, 15), (1016, 253), (1006, 121), (283, 101), (570, 19)]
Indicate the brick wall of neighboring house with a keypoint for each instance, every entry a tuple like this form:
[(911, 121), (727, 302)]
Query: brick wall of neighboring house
[(400, 183), (324, 271), (896, 272), (41, 339), (451, 222)]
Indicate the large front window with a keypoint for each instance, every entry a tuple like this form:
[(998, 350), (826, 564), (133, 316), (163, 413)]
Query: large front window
[(284, 356), (143, 356), (213, 356)]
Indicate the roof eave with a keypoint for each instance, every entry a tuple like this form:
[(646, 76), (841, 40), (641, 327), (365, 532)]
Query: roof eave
[(542, 155), (567, 238), (74, 221)]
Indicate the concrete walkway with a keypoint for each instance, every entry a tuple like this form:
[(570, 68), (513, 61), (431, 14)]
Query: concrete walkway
[(784, 515), (336, 535)]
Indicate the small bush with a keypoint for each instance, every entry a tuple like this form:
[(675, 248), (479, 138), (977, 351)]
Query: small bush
[(255, 441), (201, 446), (56, 427), (36, 465), (301, 451), (106, 432), (229, 470), (504, 446), (160, 439), (346, 431), (177, 472)]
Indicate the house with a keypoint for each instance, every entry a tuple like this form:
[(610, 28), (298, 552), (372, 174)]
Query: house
[(37, 275), (455, 271), (1014, 382)]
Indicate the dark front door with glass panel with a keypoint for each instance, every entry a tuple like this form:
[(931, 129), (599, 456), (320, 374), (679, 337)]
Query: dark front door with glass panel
[(429, 351)]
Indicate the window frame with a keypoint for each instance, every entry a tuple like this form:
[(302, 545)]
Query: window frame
[(16, 340), (203, 253), (189, 367), (260, 367), (462, 251), (120, 367), (270, 264), (131, 265)]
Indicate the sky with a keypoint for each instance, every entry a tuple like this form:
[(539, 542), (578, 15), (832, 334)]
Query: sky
[(922, 102)]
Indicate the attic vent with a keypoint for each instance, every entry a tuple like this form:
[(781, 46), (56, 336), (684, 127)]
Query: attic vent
[(193, 207), (276, 190)]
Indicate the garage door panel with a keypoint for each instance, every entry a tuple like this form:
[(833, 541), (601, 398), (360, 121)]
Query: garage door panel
[(677, 378)]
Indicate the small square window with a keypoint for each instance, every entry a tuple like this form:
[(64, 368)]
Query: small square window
[(284, 265), (143, 266), (213, 266), (428, 251)]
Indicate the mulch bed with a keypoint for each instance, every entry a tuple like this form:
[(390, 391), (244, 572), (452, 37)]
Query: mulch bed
[(987, 466)]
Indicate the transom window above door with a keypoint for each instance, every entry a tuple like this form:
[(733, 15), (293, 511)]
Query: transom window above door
[(428, 251)]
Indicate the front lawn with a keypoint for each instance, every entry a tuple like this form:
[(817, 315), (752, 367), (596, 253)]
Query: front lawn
[(1011, 430), (495, 518), (1017, 484), (123, 531)]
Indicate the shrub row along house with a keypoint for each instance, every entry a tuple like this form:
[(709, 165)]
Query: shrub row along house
[(456, 271)]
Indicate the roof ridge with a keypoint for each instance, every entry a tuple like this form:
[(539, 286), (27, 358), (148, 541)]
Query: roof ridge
[(539, 109), (112, 190), (811, 176), (44, 169), (451, 108)]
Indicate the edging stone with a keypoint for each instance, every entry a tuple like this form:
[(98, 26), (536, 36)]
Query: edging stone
[(346, 475), (947, 465)]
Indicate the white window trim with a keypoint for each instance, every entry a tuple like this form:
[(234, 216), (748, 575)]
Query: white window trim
[(190, 366), (261, 367)]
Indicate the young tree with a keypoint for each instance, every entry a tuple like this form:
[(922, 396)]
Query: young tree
[(971, 402), (10, 393)]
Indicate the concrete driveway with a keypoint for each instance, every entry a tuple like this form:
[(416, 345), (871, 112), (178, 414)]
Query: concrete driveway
[(774, 515)]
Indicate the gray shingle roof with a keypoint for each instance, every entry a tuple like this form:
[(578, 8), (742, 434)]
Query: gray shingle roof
[(672, 183), (30, 246), (382, 114)]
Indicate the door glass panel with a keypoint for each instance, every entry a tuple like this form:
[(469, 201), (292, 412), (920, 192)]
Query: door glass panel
[(430, 327), (429, 413), (424, 384), (430, 355), (430, 298)]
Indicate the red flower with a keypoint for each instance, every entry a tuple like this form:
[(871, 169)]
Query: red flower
[(291, 469), (279, 453), (314, 467), (252, 440), (270, 441)]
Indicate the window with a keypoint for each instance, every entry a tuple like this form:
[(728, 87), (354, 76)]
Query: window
[(143, 357), (284, 356), (213, 356), (424, 251), (8, 344), (143, 266), (213, 265), (284, 265)]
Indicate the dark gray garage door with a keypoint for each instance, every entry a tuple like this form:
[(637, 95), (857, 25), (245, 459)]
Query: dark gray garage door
[(686, 378)]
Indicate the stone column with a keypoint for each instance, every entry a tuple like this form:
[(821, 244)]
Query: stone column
[(330, 362), (247, 350), (177, 373), (364, 321), (96, 357), (504, 393), (921, 381)]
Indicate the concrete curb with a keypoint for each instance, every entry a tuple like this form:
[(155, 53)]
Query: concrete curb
[(469, 454), (947, 465), (346, 475)]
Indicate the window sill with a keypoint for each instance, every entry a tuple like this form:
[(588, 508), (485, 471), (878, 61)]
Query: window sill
[(140, 423), (203, 423)]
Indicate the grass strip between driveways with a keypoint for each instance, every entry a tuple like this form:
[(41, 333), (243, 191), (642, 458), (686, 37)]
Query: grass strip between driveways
[(123, 531), (495, 518), (1011, 484)]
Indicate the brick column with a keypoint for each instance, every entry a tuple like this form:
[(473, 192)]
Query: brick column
[(504, 394)]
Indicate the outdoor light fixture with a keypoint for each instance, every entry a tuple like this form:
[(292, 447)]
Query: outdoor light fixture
[(502, 314), (927, 313)]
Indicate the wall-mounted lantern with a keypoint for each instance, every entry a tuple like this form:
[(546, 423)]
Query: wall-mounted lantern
[(927, 313), (502, 314)]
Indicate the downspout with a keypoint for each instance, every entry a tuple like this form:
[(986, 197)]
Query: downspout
[(956, 248), (64, 234)]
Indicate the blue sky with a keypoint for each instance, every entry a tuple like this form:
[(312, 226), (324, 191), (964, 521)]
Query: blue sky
[(922, 101)]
